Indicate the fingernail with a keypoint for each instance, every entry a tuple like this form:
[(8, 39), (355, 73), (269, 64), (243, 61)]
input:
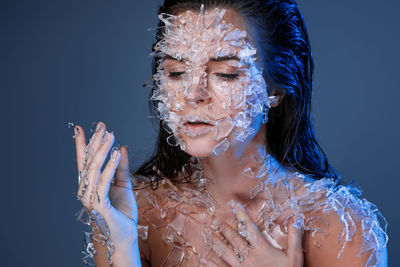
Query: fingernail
[(76, 131), (234, 206), (114, 153), (298, 222), (105, 137), (99, 126)]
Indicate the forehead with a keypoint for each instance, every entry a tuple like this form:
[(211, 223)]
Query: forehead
[(201, 35), (229, 16)]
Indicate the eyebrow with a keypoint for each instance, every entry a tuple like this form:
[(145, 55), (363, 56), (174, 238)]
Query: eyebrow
[(172, 58), (218, 59), (225, 58)]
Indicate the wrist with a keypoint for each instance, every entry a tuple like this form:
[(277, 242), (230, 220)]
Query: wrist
[(126, 255)]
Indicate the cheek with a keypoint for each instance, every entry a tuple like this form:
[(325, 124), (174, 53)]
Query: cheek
[(230, 95), (172, 93)]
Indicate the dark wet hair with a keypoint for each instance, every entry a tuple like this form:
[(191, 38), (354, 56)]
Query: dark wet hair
[(284, 51)]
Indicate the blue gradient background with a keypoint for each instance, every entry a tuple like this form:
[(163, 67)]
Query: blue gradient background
[(85, 61)]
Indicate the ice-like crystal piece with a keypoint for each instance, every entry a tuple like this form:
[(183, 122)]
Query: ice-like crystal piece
[(243, 134), (175, 257), (221, 147), (83, 216), (257, 189), (248, 172), (171, 141), (247, 53), (143, 231), (224, 127), (271, 239)]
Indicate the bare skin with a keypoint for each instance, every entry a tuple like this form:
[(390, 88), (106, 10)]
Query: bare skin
[(119, 202), (117, 205)]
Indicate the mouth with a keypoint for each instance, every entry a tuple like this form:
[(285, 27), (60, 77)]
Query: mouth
[(197, 123), (197, 126)]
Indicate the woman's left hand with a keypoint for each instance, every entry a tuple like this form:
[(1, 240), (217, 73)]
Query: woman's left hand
[(248, 246)]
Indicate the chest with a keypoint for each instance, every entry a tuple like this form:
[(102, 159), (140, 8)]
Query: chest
[(185, 236)]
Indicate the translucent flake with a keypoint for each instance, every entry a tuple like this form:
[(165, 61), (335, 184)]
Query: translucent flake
[(284, 199), (282, 196), (171, 141), (318, 229), (257, 189), (174, 258), (242, 229), (143, 231), (195, 40), (298, 222), (224, 127), (187, 209), (244, 134), (248, 172), (70, 125), (83, 216), (271, 240), (221, 147), (89, 250), (100, 233)]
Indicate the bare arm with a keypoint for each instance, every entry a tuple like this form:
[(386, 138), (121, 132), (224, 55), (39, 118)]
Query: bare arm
[(115, 203), (327, 254)]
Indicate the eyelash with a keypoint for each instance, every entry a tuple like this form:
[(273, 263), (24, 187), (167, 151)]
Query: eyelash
[(226, 76), (176, 74)]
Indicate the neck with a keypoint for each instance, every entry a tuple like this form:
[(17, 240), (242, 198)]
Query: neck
[(230, 171)]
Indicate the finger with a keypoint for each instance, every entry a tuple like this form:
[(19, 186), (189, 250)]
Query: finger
[(122, 172), (238, 244), (246, 227), (295, 248), (94, 167), (108, 172), (95, 141), (221, 249), (80, 145)]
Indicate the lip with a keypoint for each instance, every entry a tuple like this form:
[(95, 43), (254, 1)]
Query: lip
[(198, 129)]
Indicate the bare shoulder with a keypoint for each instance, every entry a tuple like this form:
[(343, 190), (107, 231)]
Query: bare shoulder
[(153, 214), (346, 231), (145, 200)]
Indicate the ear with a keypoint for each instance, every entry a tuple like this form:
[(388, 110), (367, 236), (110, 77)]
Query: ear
[(276, 98)]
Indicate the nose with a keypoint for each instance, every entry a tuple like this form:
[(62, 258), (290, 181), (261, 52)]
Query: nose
[(196, 92)]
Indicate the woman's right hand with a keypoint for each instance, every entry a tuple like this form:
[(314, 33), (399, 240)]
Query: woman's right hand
[(114, 202)]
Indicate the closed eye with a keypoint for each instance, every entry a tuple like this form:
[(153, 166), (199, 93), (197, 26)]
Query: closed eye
[(228, 76), (176, 74)]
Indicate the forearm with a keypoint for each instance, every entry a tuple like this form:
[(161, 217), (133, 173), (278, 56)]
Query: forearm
[(127, 255), (100, 258)]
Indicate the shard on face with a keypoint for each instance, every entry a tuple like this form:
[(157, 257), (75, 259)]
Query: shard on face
[(243, 134), (234, 105), (224, 127), (221, 147), (196, 39)]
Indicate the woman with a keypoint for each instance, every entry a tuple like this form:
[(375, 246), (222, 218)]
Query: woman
[(238, 176)]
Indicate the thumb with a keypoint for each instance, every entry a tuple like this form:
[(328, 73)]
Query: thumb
[(295, 247), (122, 171)]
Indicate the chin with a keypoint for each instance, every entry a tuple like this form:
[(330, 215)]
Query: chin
[(200, 147)]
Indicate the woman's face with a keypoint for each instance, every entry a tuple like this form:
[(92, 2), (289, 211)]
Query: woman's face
[(211, 90)]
